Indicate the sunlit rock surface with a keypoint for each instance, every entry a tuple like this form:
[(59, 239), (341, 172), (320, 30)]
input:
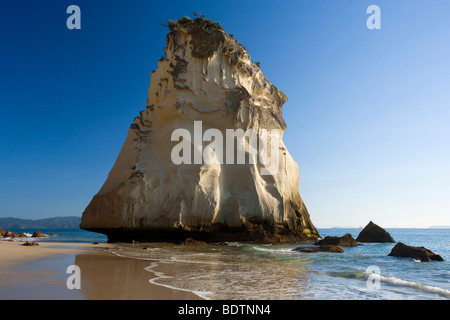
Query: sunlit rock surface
[(207, 76)]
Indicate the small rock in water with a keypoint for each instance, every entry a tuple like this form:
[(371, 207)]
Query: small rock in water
[(418, 253), (374, 233), (228, 243), (10, 234), (38, 234), (345, 241), (192, 242), (322, 248)]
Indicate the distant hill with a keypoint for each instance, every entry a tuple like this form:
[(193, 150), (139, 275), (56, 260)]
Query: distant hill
[(50, 223)]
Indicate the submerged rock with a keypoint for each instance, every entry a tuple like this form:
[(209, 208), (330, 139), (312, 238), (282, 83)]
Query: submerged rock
[(178, 175), (192, 242), (345, 241), (322, 248), (374, 233), (229, 244), (418, 253)]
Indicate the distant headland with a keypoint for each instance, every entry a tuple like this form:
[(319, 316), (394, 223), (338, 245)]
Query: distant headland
[(71, 222)]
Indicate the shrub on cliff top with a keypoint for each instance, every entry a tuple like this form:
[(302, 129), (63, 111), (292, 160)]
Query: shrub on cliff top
[(199, 21)]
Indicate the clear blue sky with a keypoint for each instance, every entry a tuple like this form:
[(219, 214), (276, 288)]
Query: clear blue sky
[(368, 113)]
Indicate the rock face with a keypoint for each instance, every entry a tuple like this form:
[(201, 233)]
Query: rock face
[(418, 253), (374, 233), (345, 241), (179, 175)]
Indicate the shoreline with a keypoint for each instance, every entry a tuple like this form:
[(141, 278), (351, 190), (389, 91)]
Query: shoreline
[(40, 272)]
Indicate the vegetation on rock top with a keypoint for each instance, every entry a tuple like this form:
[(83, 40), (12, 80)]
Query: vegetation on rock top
[(198, 22)]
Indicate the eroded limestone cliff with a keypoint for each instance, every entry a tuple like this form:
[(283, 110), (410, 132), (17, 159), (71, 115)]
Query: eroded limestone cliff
[(206, 79)]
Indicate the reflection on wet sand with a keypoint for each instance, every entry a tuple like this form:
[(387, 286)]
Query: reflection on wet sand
[(221, 272), (162, 272), (106, 276)]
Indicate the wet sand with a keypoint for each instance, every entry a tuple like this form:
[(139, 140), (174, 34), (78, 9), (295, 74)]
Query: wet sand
[(40, 272)]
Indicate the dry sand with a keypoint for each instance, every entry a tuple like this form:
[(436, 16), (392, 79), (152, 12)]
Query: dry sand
[(13, 253), (39, 272)]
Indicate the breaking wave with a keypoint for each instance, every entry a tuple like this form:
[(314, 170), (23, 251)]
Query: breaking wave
[(415, 285)]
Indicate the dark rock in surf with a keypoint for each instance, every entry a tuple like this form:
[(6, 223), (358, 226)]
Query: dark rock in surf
[(374, 233), (322, 248), (418, 253), (345, 241), (38, 234), (10, 234)]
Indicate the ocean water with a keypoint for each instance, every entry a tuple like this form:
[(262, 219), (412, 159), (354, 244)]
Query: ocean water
[(263, 271), (60, 235)]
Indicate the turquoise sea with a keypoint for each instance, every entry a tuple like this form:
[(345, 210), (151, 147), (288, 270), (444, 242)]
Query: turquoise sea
[(264, 271)]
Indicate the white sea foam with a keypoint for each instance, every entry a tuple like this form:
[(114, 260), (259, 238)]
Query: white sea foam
[(414, 285), (284, 250), (22, 239), (277, 272), (160, 275)]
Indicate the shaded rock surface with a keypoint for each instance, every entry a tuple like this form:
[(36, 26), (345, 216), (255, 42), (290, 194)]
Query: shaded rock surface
[(207, 76), (418, 253), (345, 241), (374, 233)]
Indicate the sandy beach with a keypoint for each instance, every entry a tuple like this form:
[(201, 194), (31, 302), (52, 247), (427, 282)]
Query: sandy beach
[(40, 272)]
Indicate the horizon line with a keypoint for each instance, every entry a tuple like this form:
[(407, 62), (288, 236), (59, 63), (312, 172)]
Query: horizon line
[(317, 227)]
